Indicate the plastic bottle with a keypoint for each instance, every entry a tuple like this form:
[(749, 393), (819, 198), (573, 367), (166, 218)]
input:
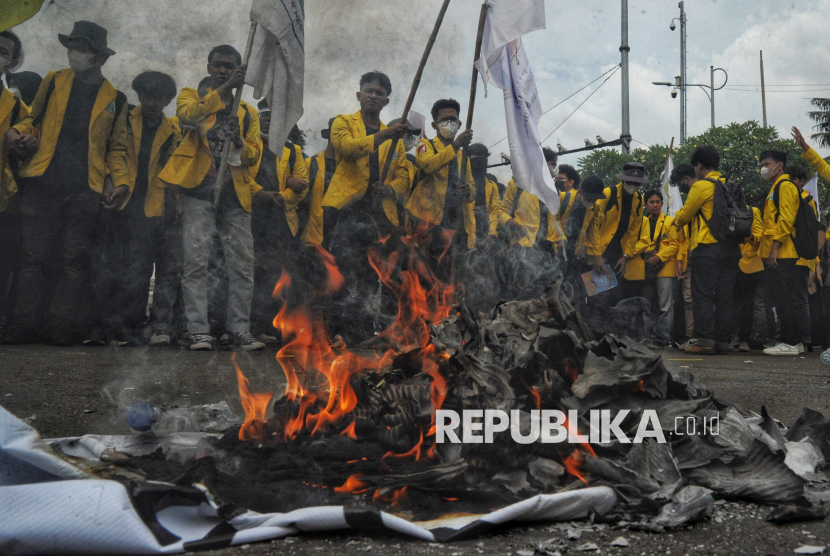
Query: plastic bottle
[(143, 417)]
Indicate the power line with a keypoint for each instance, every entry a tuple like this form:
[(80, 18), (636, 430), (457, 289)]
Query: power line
[(790, 85), (798, 91), (615, 68), (578, 107)]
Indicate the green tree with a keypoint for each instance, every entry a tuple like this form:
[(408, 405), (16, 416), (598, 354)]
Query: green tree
[(739, 145), (821, 117)]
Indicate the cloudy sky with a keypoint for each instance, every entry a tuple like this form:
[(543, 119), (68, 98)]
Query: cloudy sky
[(345, 38)]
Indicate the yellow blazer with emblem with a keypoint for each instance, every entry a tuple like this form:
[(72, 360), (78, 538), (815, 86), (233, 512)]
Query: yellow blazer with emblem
[(701, 200), (779, 222), (427, 200), (284, 171), (582, 240), (566, 215), (351, 178), (750, 262), (107, 130), (666, 249), (10, 108), (191, 162), (493, 206), (313, 234), (527, 215), (166, 140), (607, 218)]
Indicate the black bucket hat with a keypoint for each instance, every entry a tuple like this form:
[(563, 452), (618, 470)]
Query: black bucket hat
[(633, 172), (92, 33)]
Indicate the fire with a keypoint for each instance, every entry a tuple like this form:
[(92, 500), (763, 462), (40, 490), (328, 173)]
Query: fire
[(255, 406), (571, 370), (393, 498), (353, 485), (573, 464), (414, 452), (350, 431), (638, 387)]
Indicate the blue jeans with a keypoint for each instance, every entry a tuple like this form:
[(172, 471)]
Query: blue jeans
[(233, 226)]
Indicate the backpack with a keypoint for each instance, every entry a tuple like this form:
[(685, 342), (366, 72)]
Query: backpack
[(731, 220), (805, 227)]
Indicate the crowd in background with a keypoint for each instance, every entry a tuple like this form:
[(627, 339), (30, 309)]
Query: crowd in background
[(120, 226)]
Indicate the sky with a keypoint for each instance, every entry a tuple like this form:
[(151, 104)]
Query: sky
[(346, 38)]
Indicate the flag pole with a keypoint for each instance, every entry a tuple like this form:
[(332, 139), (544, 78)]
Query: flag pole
[(223, 165), (482, 18), (415, 83)]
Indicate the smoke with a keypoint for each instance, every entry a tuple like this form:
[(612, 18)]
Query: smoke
[(344, 39)]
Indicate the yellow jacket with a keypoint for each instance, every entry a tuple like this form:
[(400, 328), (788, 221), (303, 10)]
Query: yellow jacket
[(750, 261), (427, 200), (526, 212), (682, 234), (606, 219), (285, 171), (493, 206), (819, 164), (351, 178), (166, 140), (582, 240), (12, 111), (107, 130), (779, 226), (701, 200), (804, 262), (568, 208), (665, 243), (191, 162), (313, 234)]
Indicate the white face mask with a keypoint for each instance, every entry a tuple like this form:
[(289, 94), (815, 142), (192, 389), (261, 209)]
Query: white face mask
[(4, 63), (408, 143), (766, 173), (448, 129), (631, 189), (79, 61)]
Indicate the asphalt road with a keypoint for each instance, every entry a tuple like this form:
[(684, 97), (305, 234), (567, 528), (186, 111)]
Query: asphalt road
[(75, 391)]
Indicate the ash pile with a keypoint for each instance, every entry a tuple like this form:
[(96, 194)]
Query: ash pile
[(363, 434)]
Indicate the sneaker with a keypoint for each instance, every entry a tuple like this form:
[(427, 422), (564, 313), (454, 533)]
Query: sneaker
[(744, 347), (95, 338), (268, 340), (782, 349), (224, 339), (245, 341), (688, 343), (160, 340), (695, 348), (801, 349), (201, 342)]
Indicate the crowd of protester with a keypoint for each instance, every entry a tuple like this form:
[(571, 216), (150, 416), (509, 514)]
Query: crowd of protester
[(117, 226)]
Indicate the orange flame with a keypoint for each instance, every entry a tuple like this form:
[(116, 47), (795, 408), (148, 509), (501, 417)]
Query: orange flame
[(353, 485), (414, 452), (571, 370), (350, 431), (573, 465), (638, 387), (255, 405), (394, 497)]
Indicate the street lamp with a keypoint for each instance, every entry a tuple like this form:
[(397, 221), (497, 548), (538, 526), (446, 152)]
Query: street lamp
[(711, 93)]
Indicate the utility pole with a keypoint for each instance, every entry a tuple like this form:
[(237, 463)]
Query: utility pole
[(683, 105), (763, 90), (712, 88), (625, 137)]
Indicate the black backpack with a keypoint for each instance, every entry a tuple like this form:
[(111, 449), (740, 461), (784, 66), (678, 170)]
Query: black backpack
[(805, 238), (731, 220)]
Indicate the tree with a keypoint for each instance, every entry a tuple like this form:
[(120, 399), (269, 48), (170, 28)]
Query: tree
[(822, 119), (739, 145)]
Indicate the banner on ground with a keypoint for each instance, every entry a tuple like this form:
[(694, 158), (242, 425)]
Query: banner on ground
[(277, 64)]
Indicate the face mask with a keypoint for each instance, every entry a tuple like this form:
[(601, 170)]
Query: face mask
[(560, 185), (478, 166), (4, 63), (448, 129), (79, 61), (766, 173), (408, 143), (631, 189), (15, 91)]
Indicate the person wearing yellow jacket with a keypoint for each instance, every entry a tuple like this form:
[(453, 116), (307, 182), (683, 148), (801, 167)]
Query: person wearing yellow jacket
[(77, 132), (193, 170), (567, 183), (13, 110), (615, 230), (683, 176), (714, 264), (488, 200), (444, 200), (526, 221), (746, 286), (658, 247), (320, 172), (147, 230), (787, 280)]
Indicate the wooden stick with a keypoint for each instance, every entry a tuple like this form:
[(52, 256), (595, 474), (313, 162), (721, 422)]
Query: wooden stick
[(415, 83), (671, 146), (223, 165), (482, 18)]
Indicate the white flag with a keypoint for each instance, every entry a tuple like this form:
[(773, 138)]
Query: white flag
[(672, 201), (811, 187), (277, 64), (522, 111), (507, 20)]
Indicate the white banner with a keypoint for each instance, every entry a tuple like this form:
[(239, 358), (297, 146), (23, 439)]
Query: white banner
[(672, 201), (277, 64), (812, 188)]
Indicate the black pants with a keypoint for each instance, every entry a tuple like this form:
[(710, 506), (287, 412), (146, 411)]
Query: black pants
[(713, 297), (11, 243), (61, 230), (746, 287), (788, 289)]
